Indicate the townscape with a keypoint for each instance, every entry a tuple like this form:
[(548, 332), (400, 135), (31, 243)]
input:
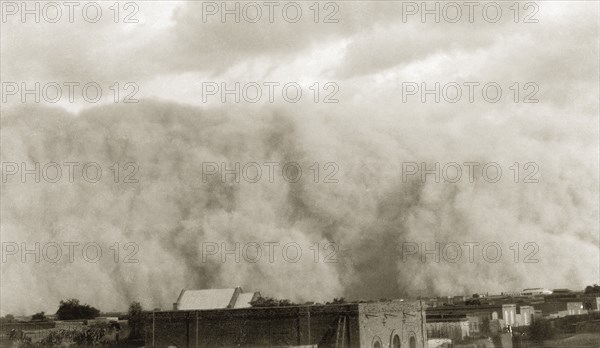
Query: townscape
[(299, 173), (533, 317)]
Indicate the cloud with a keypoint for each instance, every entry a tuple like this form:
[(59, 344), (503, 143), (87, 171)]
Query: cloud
[(173, 37), (370, 213)]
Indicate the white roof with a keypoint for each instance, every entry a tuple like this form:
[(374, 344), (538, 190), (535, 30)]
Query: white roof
[(205, 299), (243, 300)]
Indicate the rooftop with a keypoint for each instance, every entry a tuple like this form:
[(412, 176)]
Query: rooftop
[(203, 299)]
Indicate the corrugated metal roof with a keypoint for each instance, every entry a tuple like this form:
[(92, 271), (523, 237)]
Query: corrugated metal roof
[(243, 300), (205, 299)]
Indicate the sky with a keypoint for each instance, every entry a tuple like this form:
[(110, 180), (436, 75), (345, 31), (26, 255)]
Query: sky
[(517, 93)]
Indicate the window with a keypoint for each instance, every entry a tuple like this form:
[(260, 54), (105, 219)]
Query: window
[(412, 342), (376, 342), (396, 341)]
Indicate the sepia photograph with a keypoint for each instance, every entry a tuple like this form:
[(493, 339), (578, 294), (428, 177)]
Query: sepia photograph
[(300, 173)]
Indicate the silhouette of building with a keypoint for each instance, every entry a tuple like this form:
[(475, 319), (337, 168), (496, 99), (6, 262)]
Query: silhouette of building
[(373, 324)]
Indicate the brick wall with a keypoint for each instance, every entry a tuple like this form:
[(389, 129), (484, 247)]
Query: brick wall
[(381, 321), (252, 327), (356, 324)]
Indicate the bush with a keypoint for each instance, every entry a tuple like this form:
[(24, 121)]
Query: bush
[(84, 337), (473, 302), (41, 316), (337, 301), (271, 302), (72, 310), (23, 343), (541, 330)]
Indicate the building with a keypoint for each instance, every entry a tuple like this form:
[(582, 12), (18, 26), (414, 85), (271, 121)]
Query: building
[(373, 324), (509, 314), (529, 292), (480, 316), (561, 309), (555, 304), (458, 322), (476, 324), (525, 316), (575, 308), (214, 299), (453, 327)]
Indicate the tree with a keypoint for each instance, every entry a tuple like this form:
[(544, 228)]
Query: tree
[(9, 317), (41, 316), (541, 330), (136, 320), (592, 289), (485, 325), (473, 302), (72, 310)]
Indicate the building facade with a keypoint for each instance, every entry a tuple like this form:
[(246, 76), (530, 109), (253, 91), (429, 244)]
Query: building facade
[(455, 328), (375, 324)]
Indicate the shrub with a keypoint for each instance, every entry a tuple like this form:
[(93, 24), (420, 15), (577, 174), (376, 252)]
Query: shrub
[(72, 310), (41, 316), (541, 330), (136, 320), (271, 302)]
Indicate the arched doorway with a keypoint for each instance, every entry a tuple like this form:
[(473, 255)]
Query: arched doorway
[(376, 342), (412, 343), (396, 341)]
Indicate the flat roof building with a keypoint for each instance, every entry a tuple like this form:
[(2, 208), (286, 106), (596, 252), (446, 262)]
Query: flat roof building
[(373, 324)]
